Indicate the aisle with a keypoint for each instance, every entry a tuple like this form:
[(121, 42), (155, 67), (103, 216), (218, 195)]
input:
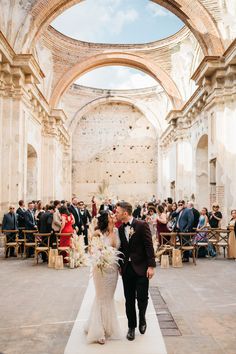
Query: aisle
[(150, 343)]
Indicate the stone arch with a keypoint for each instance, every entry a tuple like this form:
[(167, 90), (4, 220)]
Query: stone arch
[(124, 59), (192, 13), (202, 182), (152, 118), (32, 173)]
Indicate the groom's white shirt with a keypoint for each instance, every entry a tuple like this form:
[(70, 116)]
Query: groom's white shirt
[(127, 229)]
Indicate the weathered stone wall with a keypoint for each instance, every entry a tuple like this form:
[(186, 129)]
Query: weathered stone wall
[(115, 143), (204, 168)]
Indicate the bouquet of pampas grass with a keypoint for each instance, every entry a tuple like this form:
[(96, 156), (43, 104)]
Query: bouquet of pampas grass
[(103, 256)]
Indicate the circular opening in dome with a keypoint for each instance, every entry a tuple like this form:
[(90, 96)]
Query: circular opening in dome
[(117, 22)]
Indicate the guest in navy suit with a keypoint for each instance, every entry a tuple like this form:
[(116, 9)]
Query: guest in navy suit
[(184, 223)]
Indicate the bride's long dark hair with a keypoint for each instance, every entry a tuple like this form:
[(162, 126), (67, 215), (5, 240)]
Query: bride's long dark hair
[(103, 221)]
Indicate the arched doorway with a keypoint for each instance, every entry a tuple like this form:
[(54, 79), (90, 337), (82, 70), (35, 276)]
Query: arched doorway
[(202, 183), (32, 172)]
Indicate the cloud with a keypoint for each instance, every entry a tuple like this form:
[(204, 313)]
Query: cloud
[(91, 20), (158, 11), (116, 77)]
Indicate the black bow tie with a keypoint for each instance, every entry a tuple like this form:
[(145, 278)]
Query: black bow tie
[(127, 224)]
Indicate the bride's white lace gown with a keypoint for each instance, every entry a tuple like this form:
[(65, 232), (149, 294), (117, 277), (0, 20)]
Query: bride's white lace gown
[(103, 320)]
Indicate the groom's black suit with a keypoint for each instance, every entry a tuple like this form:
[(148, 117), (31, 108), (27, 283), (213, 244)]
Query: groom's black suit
[(138, 255)]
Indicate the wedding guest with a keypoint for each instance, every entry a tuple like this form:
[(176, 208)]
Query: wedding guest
[(85, 218), (39, 211), (161, 222), (103, 321), (201, 236), (215, 216), (9, 222), (196, 214), (45, 225), (105, 206), (21, 215), (151, 219), (137, 211), (74, 210), (94, 207), (184, 223), (45, 220), (56, 222), (30, 224), (144, 211), (68, 221), (232, 236)]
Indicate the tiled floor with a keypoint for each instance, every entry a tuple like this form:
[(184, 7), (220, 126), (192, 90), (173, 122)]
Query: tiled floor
[(38, 306)]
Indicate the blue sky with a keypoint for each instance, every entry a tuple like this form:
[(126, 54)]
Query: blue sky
[(117, 21)]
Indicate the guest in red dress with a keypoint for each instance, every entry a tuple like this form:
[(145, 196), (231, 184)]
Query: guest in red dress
[(66, 228), (94, 207)]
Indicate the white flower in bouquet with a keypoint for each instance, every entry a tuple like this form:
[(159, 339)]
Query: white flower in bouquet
[(103, 256)]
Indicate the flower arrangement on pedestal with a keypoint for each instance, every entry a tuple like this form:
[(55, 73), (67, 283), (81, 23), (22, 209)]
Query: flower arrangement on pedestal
[(77, 255)]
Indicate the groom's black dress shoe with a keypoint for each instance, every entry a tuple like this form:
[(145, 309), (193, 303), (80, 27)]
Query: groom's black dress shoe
[(131, 334), (142, 326)]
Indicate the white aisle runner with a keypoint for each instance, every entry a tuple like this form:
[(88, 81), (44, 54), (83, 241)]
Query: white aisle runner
[(150, 343)]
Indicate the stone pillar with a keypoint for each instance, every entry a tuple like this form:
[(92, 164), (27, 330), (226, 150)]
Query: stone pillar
[(12, 152)]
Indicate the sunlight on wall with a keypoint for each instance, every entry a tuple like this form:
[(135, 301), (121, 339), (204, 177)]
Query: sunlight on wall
[(166, 168), (185, 155)]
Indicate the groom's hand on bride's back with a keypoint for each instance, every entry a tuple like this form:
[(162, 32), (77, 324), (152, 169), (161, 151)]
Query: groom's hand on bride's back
[(150, 272)]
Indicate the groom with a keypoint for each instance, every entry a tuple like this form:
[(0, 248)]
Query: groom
[(137, 266)]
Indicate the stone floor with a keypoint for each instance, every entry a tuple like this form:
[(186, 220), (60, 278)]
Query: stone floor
[(38, 306)]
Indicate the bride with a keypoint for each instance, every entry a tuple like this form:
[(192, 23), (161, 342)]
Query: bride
[(103, 322)]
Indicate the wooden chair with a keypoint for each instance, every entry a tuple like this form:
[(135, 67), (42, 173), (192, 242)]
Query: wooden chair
[(223, 239), (62, 248), (186, 243), (202, 241), (11, 241), (21, 241), (29, 240), (213, 238), (168, 240), (42, 242)]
